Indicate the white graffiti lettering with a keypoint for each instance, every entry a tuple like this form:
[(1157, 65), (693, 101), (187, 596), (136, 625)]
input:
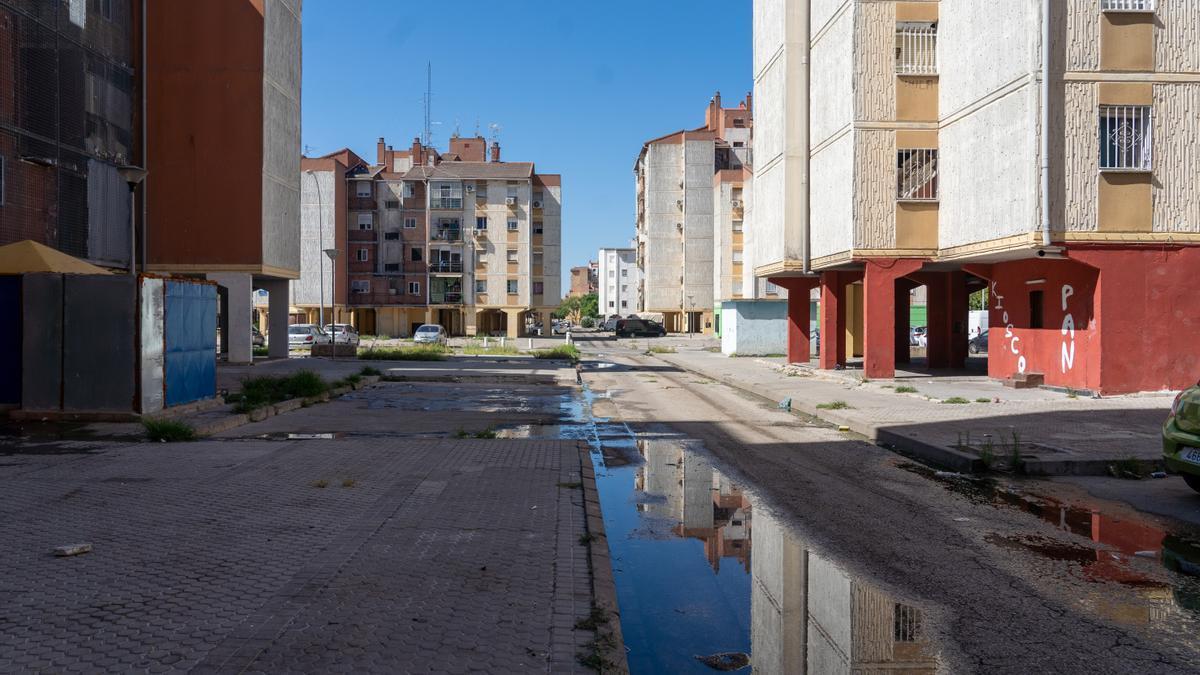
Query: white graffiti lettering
[(1008, 329), (1068, 328)]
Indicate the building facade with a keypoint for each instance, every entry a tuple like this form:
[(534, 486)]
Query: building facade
[(458, 239), (583, 280), (675, 214), (1039, 150), (619, 281)]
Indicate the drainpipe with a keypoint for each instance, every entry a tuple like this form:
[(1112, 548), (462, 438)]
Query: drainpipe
[(1045, 121), (803, 11)]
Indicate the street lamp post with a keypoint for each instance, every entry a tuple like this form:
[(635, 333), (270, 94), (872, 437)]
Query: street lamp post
[(691, 315), (133, 176), (333, 254), (320, 241)]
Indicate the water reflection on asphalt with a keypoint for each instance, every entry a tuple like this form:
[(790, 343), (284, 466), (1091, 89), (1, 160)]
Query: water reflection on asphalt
[(700, 572)]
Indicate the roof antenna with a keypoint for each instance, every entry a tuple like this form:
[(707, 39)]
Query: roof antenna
[(495, 129), (428, 139)]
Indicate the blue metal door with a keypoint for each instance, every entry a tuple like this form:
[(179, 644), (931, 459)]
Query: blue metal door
[(190, 355), (10, 340)]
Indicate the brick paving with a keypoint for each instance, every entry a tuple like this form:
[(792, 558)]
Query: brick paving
[(226, 556)]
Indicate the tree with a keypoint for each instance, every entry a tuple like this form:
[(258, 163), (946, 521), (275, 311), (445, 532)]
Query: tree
[(979, 299), (575, 308)]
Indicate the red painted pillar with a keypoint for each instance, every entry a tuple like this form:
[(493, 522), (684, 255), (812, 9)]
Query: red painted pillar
[(904, 289), (959, 306), (833, 320), (879, 314), (937, 286), (799, 289)]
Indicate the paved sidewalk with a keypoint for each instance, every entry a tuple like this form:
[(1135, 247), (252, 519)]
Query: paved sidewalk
[(1058, 434), (372, 555)]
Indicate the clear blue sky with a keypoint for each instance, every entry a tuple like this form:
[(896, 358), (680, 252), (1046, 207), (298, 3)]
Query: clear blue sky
[(576, 86)]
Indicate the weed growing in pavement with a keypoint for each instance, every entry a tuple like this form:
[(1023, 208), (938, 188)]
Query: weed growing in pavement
[(562, 352), (586, 538), (713, 350), (462, 433), (594, 620), (322, 483), (834, 405), (415, 353), (1071, 393), (905, 389), (655, 349), (486, 433), (348, 482), (593, 658), (955, 400), (260, 351), (987, 455), (477, 349), (983, 400), (260, 391), (1128, 468), (571, 486), (368, 371), (168, 431), (1015, 462)]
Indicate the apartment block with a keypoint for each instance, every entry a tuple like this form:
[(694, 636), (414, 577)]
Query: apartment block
[(460, 239), (675, 214), (619, 281), (583, 279), (1042, 150)]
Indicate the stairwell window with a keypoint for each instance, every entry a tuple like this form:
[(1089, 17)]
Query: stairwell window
[(539, 287), (916, 48), (481, 222), (391, 236), (1127, 5), (410, 223), (363, 255), (737, 226), (917, 174), (414, 288), (1126, 137)]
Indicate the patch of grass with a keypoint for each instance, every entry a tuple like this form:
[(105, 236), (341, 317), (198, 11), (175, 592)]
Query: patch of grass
[(260, 351), (348, 482), (562, 352), (593, 658), (486, 433), (462, 433), (594, 620), (987, 454), (414, 353), (477, 349), (833, 405), (1128, 468), (259, 391), (983, 400), (1071, 393), (586, 538), (369, 371), (955, 400), (571, 486), (905, 389), (168, 431), (322, 483), (655, 349)]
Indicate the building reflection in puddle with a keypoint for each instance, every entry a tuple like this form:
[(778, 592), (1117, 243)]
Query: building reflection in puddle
[(759, 590)]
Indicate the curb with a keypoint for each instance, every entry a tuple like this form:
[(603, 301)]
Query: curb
[(236, 420), (604, 588)]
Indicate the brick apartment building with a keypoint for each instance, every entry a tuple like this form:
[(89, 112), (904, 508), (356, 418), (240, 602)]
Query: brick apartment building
[(583, 280), (460, 239), (1043, 150)]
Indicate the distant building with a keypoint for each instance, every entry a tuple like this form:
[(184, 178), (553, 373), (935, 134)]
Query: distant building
[(619, 281), (583, 280)]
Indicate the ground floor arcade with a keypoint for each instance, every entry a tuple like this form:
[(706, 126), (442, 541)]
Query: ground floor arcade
[(403, 321), (1095, 318)]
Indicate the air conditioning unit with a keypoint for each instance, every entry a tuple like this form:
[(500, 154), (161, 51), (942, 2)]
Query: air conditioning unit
[(679, 204), (537, 205), (737, 203), (510, 201), (470, 188)]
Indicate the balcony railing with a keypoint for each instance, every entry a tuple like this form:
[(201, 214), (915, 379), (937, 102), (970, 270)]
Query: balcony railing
[(447, 203), (446, 266), (446, 234), (445, 298), (916, 49), (1127, 5)]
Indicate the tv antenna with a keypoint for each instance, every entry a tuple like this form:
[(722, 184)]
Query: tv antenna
[(427, 140), (495, 130)]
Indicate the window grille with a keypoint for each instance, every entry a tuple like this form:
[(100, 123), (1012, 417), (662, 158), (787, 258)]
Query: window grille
[(916, 49), (917, 174), (906, 623), (1126, 137), (512, 226), (1127, 5)]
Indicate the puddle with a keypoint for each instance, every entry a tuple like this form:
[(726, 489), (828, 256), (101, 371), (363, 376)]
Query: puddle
[(704, 578)]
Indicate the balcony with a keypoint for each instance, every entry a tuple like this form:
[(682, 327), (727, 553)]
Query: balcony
[(397, 298), (446, 267), (360, 235), (445, 298), (446, 234), (446, 203)]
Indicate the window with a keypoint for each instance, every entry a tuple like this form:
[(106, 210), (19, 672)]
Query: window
[(360, 286), (538, 287), (512, 286), (624, 304), (1127, 5), (736, 287), (512, 255), (481, 189), (391, 236), (408, 191), (481, 222), (362, 188), (537, 227), (392, 204), (416, 254), (1126, 137), (512, 189), (917, 174), (106, 9), (512, 226), (537, 196), (366, 221), (624, 288), (481, 286), (611, 304), (1036, 309), (624, 273), (410, 223), (414, 288), (737, 226), (737, 256), (446, 196), (363, 255), (739, 144), (916, 48), (537, 260), (771, 289), (391, 267)]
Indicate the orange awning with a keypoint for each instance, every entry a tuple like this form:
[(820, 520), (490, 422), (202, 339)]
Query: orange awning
[(28, 256)]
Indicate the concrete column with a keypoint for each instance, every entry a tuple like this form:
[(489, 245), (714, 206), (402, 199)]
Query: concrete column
[(937, 288), (879, 314), (429, 315), (904, 289), (514, 322), (833, 321), (277, 317), (547, 316), (236, 324), (799, 345), (472, 324), (959, 308)]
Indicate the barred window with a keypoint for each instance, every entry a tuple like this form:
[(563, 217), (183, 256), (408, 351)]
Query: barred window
[(917, 174), (392, 204), (1126, 137), (1127, 5), (916, 49)]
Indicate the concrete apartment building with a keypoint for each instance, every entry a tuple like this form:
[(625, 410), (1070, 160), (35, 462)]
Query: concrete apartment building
[(460, 239), (583, 280), (619, 281), (1045, 151), (675, 213)]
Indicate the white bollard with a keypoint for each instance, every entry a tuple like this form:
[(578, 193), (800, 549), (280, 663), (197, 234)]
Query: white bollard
[(503, 340), (485, 339), (529, 343), (569, 337)]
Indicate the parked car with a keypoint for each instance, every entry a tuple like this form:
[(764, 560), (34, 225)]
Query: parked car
[(345, 334), (430, 334), (1181, 437), (978, 344), (638, 328), (257, 339), (305, 335), (560, 327), (915, 334), (611, 322)]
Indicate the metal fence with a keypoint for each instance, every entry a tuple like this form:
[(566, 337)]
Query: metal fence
[(917, 174), (916, 49), (1126, 139)]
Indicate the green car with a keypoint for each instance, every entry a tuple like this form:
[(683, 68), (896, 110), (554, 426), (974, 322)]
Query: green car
[(1181, 437)]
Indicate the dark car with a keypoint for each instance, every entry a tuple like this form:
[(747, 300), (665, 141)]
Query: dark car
[(978, 344), (639, 328)]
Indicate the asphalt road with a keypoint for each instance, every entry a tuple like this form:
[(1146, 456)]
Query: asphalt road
[(1007, 586)]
